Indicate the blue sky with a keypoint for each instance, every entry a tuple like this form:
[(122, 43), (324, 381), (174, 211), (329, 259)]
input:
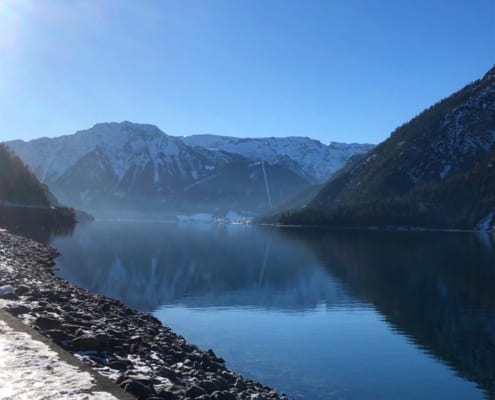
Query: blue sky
[(348, 70)]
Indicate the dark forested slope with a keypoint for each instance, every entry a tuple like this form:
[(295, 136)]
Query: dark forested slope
[(437, 170), (24, 201)]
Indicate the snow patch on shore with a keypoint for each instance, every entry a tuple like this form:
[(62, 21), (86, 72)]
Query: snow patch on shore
[(29, 369)]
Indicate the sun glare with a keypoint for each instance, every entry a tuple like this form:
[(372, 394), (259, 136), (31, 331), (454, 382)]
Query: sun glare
[(10, 16)]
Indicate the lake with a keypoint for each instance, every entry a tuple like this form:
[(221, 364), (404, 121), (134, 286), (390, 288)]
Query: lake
[(317, 314)]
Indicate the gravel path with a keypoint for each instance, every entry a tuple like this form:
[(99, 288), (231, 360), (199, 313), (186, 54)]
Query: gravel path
[(131, 348)]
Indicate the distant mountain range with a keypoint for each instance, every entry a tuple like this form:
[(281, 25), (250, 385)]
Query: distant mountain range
[(115, 168), (306, 157), (437, 170)]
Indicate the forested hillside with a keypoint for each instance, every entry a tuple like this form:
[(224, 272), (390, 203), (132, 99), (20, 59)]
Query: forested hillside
[(27, 206), (435, 171), (17, 184)]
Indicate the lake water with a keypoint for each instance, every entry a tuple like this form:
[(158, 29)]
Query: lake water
[(316, 314)]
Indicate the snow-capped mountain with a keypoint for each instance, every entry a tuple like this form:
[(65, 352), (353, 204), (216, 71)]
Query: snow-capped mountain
[(140, 167), (125, 147), (307, 157)]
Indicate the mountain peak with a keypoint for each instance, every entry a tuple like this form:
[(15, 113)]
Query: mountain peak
[(125, 126)]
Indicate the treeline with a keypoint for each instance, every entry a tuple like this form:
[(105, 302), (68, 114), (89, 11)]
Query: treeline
[(18, 184), (457, 203)]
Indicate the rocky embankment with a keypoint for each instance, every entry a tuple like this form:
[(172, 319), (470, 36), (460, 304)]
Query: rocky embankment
[(129, 347)]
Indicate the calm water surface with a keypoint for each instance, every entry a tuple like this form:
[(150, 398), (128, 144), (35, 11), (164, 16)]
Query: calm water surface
[(316, 314)]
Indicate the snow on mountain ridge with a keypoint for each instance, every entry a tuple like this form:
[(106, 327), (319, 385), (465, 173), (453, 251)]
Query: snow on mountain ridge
[(128, 146), (315, 160), (124, 144)]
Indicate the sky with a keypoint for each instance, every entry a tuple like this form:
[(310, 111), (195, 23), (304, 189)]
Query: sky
[(348, 71)]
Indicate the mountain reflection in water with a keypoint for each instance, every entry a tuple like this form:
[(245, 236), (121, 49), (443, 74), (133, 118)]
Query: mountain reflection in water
[(197, 265), (435, 288)]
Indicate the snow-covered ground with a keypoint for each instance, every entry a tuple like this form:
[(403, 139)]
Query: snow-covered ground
[(30, 370)]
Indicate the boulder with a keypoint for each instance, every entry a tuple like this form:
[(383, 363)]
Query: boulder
[(195, 391), (137, 389), (48, 323)]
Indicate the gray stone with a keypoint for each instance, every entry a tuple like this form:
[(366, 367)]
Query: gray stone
[(166, 395), (210, 386), (48, 323), (195, 391), (120, 364), (137, 389), (58, 336), (17, 310), (85, 342), (225, 395)]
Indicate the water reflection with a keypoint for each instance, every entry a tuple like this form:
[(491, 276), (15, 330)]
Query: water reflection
[(436, 287), (40, 233), (197, 266)]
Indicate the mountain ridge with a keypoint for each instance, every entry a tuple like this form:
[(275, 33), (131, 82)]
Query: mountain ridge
[(113, 161), (411, 177)]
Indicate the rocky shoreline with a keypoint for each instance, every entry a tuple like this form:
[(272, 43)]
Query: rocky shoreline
[(131, 348)]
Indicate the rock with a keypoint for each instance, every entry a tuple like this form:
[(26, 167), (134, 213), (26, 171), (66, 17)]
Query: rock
[(214, 356), (55, 296), (6, 290), (48, 323), (167, 373), (210, 386), (229, 396), (228, 377), (9, 296), (17, 310), (115, 342), (103, 341), (89, 341), (85, 342), (79, 332), (240, 384), (166, 395), (225, 395), (137, 389), (120, 364), (21, 290), (195, 391), (145, 379), (58, 336), (72, 328)]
